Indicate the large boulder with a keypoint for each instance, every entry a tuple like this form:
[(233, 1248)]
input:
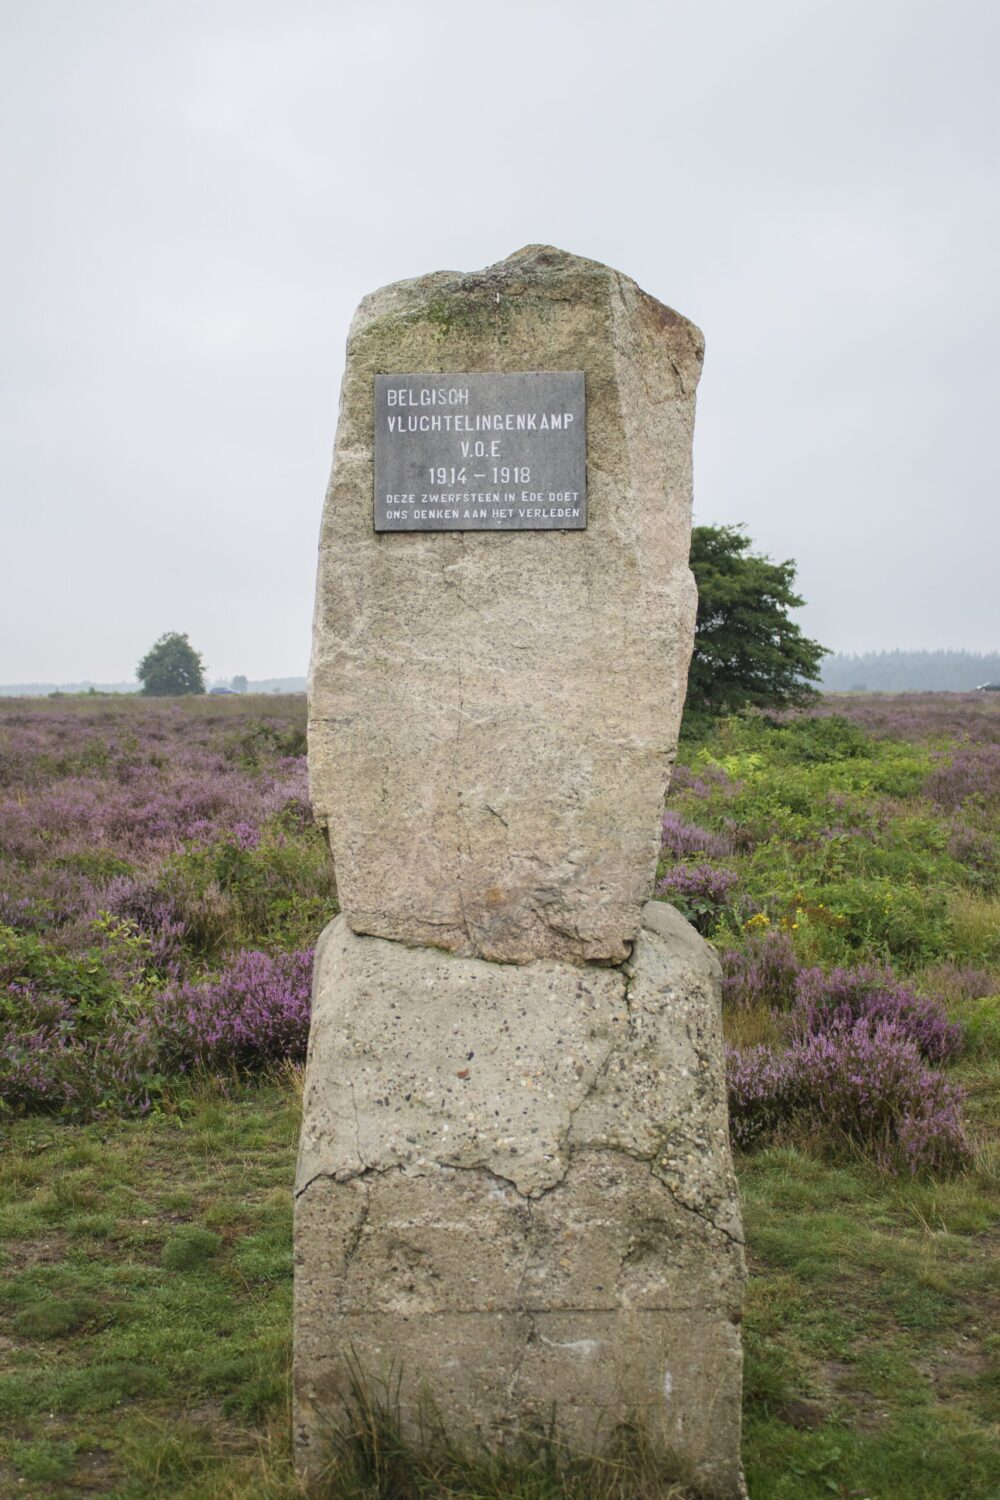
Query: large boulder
[(493, 715)]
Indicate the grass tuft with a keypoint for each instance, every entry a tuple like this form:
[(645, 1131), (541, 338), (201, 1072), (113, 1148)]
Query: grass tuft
[(189, 1249), (372, 1457), (55, 1318)]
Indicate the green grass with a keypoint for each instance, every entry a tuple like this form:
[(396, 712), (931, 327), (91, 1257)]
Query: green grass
[(146, 1329), (870, 1309), (146, 1299)]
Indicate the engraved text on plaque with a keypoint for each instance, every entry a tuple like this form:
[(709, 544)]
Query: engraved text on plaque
[(481, 452)]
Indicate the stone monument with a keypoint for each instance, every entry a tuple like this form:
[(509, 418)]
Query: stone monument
[(514, 1186)]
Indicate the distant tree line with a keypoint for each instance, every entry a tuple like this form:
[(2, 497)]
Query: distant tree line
[(909, 671)]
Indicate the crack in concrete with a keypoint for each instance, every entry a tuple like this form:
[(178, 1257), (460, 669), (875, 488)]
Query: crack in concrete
[(700, 1214), (357, 1122), (589, 1093), (441, 1164), (527, 1200), (520, 1306), (354, 1243)]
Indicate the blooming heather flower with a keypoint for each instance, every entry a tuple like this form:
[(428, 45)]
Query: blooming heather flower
[(864, 1079), (764, 972), (872, 993), (679, 838), (255, 1009)]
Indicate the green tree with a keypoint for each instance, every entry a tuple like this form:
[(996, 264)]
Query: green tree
[(171, 667), (239, 684), (746, 649)]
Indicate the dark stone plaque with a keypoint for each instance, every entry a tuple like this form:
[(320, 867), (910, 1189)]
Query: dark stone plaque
[(484, 452)]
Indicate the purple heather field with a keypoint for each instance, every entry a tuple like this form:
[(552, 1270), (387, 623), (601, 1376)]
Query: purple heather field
[(162, 885)]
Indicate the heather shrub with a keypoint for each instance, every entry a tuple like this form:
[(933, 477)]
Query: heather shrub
[(977, 852), (917, 716), (161, 883), (853, 1058), (764, 972), (49, 1064), (968, 775), (94, 865), (957, 982), (120, 823), (862, 1080), (254, 1010), (762, 1087), (700, 892), (35, 1031), (768, 971), (836, 1001), (141, 903), (43, 898), (681, 839), (704, 781), (866, 1079)]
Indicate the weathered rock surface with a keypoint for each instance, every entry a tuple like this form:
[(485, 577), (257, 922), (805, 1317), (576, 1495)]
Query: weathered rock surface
[(514, 1185), (493, 716), (515, 1188)]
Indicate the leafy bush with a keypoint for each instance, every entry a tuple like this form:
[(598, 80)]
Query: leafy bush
[(263, 741), (249, 889), (81, 981), (805, 738)]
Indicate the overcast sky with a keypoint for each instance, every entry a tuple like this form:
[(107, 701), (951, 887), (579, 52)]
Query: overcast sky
[(197, 194)]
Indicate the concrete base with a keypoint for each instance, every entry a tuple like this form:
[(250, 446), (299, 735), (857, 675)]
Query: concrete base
[(515, 1192)]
